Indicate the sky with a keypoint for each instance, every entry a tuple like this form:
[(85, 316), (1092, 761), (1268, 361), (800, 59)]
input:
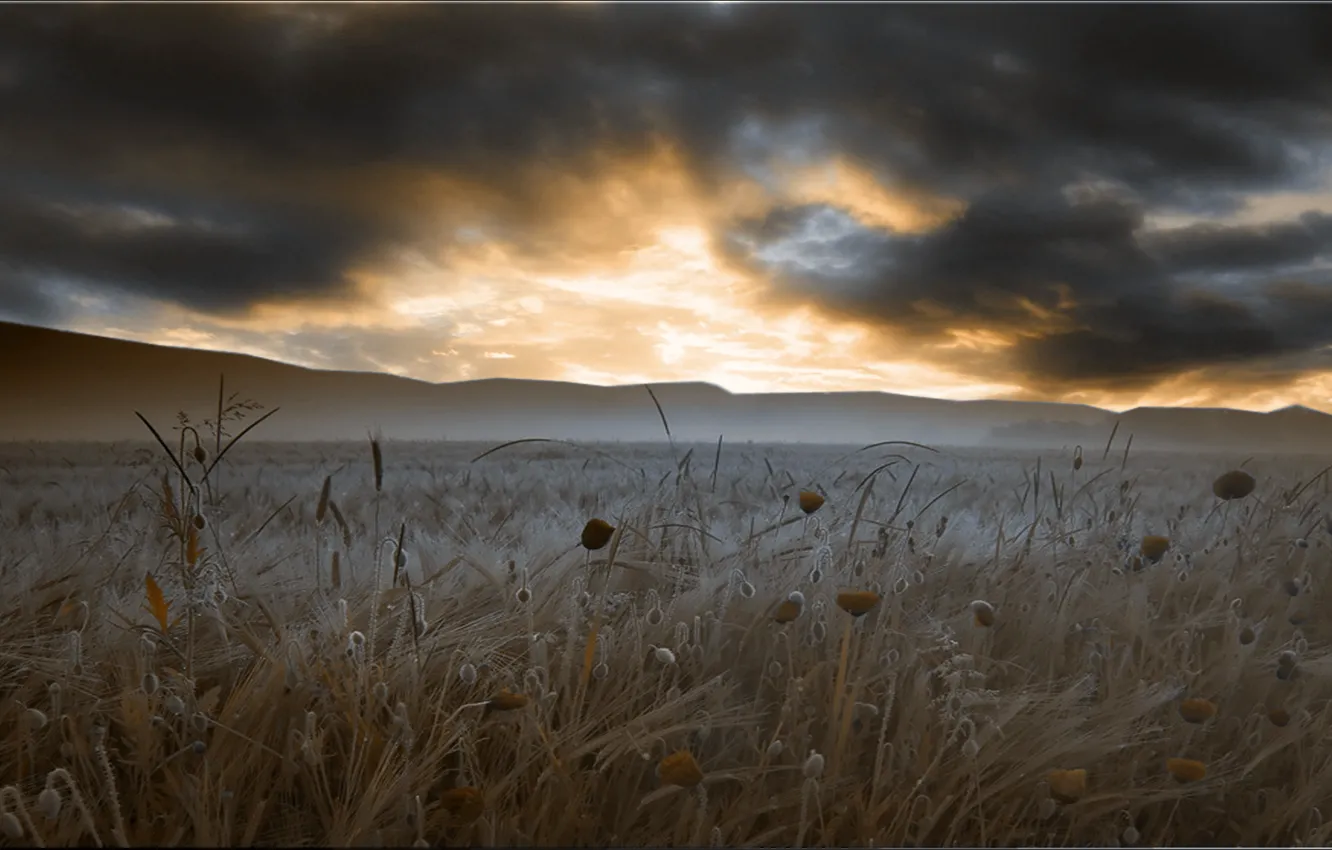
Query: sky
[(1109, 204)]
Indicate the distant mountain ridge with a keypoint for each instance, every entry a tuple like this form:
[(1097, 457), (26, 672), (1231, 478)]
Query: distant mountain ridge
[(59, 385)]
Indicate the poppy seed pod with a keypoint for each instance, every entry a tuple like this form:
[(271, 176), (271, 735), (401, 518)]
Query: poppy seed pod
[(982, 613), (506, 701), (810, 501), (1154, 547), (1068, 786), (1235, 484), (1186, 770), (1197, 710), (596, 534), (857, 602), (680, 768)]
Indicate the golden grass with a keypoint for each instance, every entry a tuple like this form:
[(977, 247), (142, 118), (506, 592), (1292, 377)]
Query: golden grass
[(163, 686)]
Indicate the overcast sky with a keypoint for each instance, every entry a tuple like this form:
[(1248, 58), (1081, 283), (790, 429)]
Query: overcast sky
[(1104, 203)]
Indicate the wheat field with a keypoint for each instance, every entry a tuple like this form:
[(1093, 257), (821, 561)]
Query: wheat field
[(340, 644)]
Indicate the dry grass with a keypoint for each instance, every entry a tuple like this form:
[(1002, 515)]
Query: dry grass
[(1002, 666)]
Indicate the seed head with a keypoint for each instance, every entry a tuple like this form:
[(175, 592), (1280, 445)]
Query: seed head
[(34, 719), (1131, 835), (971, 749), (680, 768), (523, 595), (1247, 636), (790, 608), (813, 767), (1186, 770), (775, 749), (857, 602), (175, 705), (1235, 484), (596, 534), (1279, 717), (48, 803), (506, 701), (467, 673), (10, 826), (1197, 710), (655, 616), (1154, 547), (150, 683), (664, 655), (982, 613), (747, 590), (809, 501), (1067, 786), (200, 454)]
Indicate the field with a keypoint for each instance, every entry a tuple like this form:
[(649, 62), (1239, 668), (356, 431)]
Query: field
[(498, 683)]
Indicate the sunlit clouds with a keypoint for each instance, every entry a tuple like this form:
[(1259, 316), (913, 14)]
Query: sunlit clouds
[(937, 201)]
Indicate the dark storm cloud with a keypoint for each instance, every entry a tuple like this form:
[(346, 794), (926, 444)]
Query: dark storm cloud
[(1217, 248), (1089, 298), (22, 299), (206, 256), (275, 119)]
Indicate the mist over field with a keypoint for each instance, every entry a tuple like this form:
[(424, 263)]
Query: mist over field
[(80, 387)]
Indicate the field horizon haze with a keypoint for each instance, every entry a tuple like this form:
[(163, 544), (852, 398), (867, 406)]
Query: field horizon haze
[(81, 387)]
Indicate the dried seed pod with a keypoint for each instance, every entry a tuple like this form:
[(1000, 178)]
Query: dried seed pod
[(1279, 717), (506, 701), (680, 768), (857, 602), (790, 608), (1235, 484), (1067, 786), (1154, 547), (983, 613), (655, 616), (48, 803), (810, 501), (1186, 770), (813, 767), (596, 534), (10, 826), (1197, 710)]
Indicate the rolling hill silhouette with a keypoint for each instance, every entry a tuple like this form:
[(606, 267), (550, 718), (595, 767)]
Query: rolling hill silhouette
[(59, 385)]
